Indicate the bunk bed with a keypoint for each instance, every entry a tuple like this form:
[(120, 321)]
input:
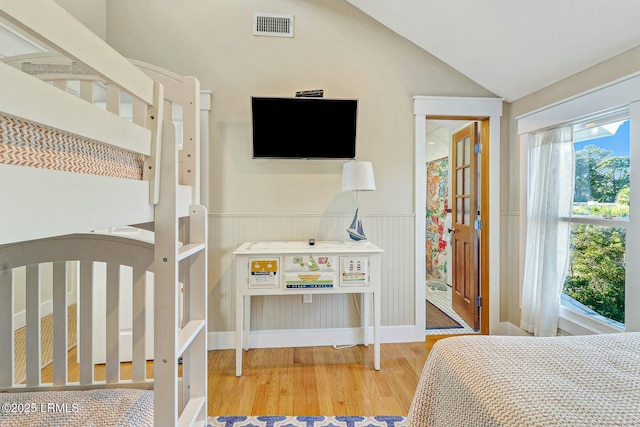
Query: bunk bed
[(88, 141), (588, 380)]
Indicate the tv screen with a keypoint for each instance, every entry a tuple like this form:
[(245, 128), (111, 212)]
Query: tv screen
[(304, 128)]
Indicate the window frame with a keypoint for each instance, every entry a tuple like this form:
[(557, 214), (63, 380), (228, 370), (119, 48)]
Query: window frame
[(623, 93)]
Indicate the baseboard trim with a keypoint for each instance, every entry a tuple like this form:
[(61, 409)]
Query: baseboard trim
[(311, 337), (513, 330), (20, 318), (46, 308)]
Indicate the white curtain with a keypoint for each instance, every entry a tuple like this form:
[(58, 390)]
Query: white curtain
[(551, 178)]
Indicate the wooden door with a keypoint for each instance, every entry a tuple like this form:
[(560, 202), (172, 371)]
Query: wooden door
[(464, 239)]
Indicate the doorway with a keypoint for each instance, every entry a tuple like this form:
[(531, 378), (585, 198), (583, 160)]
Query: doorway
[(452, 212), (488, 112)]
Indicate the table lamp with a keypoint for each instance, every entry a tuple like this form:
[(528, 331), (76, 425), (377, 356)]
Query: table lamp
[(357, 176)]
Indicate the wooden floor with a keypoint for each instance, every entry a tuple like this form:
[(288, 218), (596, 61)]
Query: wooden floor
[(99, 371), (305, 380), (316, 381)]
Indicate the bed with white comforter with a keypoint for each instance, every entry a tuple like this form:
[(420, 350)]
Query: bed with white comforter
[(528, 381)]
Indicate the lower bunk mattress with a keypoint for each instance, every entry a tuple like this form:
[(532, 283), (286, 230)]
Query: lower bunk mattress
[(527, 381), (100, 407)]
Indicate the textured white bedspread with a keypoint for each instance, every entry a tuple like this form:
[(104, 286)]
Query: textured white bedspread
[(525, 381)]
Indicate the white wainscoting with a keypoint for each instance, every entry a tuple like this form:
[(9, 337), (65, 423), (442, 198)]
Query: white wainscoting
[(392, 232)]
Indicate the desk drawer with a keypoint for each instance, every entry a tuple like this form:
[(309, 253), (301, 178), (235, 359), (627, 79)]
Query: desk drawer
[(264, 273), (309, 271), (354, 271)]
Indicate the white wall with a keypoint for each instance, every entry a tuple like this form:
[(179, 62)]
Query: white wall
[(92, 14), (438, 141), (336, 48)]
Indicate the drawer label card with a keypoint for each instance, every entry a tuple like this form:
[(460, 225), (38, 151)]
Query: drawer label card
[(263, 272)]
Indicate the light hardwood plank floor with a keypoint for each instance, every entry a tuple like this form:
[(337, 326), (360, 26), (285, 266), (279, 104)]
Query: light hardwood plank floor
[(99, 371), (305, 380), (316, 381)]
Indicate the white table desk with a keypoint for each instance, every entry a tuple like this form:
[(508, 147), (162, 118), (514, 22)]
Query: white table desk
[(296, 268)]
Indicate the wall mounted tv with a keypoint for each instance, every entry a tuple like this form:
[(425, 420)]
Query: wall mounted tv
[(304, 128)]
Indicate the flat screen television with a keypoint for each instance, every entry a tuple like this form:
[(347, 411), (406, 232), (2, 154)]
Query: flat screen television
[(304, 128)]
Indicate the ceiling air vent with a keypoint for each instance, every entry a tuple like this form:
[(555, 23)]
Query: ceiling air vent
[(272, 25)]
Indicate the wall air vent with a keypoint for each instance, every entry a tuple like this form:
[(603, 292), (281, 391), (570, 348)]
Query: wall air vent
[(272, 25)]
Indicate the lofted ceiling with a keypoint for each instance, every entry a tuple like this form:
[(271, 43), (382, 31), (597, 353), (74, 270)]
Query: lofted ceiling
[(513, 47), (510, 47)]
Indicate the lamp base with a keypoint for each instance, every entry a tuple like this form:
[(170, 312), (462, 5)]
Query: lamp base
[(355, 230), (364, 242)]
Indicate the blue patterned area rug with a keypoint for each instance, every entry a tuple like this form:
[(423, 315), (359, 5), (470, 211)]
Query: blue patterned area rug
[(307, 421)]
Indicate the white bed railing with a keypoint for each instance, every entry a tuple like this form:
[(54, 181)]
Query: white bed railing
[(86, 249), (181, 105), (36, 101), (59, 111), (60, 101)]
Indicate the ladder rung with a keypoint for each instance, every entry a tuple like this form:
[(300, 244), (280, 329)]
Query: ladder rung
[(188, 334), (191, 249), (191, 411)]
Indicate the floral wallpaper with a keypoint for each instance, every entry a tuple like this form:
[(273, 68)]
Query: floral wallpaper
[(437, 205)]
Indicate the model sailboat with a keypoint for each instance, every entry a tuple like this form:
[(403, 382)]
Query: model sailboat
[(357, 176), (355, 230)]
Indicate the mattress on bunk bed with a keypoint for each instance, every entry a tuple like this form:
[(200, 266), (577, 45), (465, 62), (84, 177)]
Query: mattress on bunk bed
[(527, 381), (24, 143), (99, 407)]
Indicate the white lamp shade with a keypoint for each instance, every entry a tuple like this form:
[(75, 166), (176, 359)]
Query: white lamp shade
[(358, 175)]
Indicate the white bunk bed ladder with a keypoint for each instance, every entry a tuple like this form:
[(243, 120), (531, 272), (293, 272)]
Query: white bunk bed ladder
[(173, 340)]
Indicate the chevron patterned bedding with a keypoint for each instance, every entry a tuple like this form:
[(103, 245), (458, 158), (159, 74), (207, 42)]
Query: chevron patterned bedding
[(28, 144), (526, 381), (104, 407)]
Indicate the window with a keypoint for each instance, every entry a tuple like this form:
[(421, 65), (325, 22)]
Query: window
[(600, 214), (595, 282)]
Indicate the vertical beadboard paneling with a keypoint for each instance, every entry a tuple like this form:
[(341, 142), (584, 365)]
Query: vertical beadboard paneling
[(392, 232)]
